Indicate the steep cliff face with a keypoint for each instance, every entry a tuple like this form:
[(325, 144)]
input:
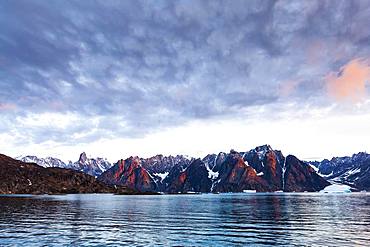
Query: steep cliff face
[(301, 177), (160, 164), (237, 175), (175, 179), (214, 161), (192, 179), (269, 165), (17, 177), (129, 173)]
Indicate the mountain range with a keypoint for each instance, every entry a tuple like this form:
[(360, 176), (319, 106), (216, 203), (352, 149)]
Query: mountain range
[(91, 166), (351, 170), (261, 169)]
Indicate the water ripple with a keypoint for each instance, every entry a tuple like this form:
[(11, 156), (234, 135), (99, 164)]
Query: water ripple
[(192, 220)]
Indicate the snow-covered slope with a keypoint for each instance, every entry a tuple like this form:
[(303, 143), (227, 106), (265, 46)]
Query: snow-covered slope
[(44, 162)]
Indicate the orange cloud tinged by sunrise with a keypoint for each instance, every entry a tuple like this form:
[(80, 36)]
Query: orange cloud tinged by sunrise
[(350, 82)]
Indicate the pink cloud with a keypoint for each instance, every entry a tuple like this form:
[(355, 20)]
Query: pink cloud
[(315, 51), (287, 88), (7, 106), (350, 82)]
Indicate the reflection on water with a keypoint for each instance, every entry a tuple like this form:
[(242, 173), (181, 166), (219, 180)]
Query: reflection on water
[(193, 220)]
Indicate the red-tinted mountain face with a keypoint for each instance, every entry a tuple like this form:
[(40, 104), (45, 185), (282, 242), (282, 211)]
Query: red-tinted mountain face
[(193, 178), (129, 173), (268, 164), (260, 169), (236, 175), (17, 177), (301, 177)]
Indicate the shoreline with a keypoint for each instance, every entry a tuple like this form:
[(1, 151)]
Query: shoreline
[(183, 194)]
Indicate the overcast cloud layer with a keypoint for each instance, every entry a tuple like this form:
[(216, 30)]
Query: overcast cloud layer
[(76, 72)]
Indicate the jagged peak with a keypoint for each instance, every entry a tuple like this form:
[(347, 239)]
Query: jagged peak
[(360, 154), (197, 161), (131, 160), (264, 148), (83, 158), (161, 157), (233, 155)]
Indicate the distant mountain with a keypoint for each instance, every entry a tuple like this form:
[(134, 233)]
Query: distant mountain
[(44, 162), (260, 169), (91, 166), (17, 177), (352, 170)]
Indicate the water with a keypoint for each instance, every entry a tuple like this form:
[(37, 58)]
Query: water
[(309, 219)]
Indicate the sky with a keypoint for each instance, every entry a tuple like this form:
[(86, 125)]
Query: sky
[(122, 78)]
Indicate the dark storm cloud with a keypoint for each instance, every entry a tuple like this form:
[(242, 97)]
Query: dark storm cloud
[(154, 64)]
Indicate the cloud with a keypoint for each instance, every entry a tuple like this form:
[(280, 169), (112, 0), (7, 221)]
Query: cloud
[(350, 82), (126, 69), (287, 88), (7, 106)]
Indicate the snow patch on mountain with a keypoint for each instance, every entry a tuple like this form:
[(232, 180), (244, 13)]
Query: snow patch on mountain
[(337, 188), (161, 175), (212, 175), (44, 162), (314, 167)]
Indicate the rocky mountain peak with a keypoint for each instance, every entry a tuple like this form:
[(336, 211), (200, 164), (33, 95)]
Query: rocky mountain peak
[(264, 148), (83, 158)]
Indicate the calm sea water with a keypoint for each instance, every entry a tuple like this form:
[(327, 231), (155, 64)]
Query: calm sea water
[(307, 219)]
